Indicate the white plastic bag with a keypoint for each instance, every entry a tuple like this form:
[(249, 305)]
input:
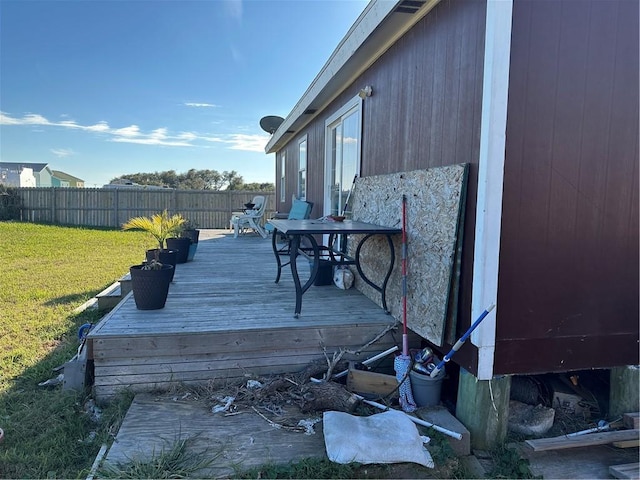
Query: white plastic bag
[(389, 437), (343, 278)]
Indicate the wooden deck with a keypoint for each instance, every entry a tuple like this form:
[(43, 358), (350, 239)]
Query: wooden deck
[(226, 318)]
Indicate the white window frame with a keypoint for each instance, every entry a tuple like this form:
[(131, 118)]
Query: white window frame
[(353, 105), (283, 177), (302, 168)]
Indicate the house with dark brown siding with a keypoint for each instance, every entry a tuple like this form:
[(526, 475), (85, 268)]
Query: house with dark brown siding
[(540, 99)]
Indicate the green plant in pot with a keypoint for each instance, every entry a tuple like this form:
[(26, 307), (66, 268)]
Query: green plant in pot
[(154, 275)]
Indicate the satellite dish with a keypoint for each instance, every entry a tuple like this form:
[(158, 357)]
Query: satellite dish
[(270, 123)]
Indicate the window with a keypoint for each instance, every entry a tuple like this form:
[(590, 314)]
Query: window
[(283, 177), (302, 168), (342, 156)]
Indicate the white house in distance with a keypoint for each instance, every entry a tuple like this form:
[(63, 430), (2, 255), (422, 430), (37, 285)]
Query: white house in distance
[(25, 174), (17, 174)]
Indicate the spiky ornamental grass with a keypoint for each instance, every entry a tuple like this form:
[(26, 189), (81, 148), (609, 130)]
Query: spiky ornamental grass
[(160, 226)]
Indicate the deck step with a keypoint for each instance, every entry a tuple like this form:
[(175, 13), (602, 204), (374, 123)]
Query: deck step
[(114, 293)]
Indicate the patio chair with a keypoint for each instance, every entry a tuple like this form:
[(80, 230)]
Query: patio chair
[(241, 211), (300, 210), (251, 218)]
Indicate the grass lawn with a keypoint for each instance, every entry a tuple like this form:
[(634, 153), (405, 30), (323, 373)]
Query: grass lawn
[(48, 271)]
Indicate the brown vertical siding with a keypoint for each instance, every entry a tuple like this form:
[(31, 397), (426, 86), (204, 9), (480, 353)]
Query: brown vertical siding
[(424, 112), (568, 285)]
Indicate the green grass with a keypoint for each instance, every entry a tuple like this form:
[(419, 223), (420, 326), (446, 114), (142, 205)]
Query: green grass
[(48, 271)]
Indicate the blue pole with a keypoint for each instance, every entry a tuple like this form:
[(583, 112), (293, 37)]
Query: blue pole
[(460, 342)]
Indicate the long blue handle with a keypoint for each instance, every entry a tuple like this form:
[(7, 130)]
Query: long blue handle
[(460, 342)]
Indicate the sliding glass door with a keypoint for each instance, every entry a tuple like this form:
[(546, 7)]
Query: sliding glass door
[(342, 157)]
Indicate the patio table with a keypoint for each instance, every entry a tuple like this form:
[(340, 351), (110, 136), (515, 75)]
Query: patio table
[(296, 230)]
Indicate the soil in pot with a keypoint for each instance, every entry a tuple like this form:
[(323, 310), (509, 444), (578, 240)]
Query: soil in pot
[(150, 287), (181, 245), (166, 257)]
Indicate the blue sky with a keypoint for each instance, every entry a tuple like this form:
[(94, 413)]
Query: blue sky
[(99, 89)]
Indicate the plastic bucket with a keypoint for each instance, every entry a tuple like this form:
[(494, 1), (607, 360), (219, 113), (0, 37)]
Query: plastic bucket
[(325, 273), (426, 390)]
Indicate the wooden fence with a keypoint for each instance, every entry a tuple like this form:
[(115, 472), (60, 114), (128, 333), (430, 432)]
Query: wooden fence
[(111, 207)]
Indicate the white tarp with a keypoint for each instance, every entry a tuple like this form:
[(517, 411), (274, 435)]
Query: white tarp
[(388, 437)]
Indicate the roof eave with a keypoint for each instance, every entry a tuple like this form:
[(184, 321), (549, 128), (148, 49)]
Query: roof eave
[(379, 26)]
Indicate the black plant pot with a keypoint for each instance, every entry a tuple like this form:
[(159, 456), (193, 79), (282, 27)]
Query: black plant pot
[(166, 257), (192, 234), (150, 287), (180, 244)]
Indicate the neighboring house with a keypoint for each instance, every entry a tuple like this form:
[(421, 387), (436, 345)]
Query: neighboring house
[(541, 99), (61, 179), (25, 174), (17, 176)]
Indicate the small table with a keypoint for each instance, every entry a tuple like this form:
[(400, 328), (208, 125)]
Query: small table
[(295, 230)]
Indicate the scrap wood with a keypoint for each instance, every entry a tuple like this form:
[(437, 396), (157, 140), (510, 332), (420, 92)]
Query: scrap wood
[(328, 396), (337, 356), (600, 438), (627, 443), (627, 470), (631, 420)]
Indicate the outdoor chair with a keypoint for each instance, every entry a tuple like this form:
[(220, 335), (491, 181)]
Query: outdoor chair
[(257, 200), (251, 218), (300, 210)]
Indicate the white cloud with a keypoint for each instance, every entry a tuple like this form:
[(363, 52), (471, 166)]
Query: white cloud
[(133, 134), (201, 105), (62, 152), (98, 127), (250, 143)]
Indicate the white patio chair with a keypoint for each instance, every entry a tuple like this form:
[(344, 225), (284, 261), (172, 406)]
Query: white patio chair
[(251, 218), (255, 201)]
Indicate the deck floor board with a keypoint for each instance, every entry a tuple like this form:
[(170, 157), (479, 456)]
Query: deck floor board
[(226, 317)]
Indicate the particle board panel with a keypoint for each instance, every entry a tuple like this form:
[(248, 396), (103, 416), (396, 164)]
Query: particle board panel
[(435, 205)]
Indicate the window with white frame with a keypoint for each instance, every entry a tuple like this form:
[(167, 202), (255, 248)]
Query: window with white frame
[(342, 156), (283, 177), (302, 168)]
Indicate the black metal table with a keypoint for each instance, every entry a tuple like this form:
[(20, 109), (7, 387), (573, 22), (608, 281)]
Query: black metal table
[(296, 230)]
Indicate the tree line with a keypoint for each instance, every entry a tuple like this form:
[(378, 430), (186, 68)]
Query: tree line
[(195, 180)]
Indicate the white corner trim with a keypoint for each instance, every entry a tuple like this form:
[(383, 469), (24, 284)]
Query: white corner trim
[(490, 179)]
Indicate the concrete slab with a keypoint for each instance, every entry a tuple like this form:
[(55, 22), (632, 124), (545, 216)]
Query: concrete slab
[(440, 416)]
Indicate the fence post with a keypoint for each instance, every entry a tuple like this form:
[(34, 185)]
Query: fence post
[(54, 205), (116, 210)]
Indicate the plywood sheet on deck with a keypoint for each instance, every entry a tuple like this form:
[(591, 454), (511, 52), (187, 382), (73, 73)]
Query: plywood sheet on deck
[(245, 440), (434, 208)]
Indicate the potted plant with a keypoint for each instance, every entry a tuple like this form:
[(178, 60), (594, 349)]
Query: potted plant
[(150, 284), (190, 230), (150, 280), (160, 226)]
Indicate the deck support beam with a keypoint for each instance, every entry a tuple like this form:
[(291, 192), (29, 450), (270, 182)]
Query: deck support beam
[(483, 407), (623, 390)]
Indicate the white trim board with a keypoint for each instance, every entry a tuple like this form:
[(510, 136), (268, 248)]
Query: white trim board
[(490, 179)]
